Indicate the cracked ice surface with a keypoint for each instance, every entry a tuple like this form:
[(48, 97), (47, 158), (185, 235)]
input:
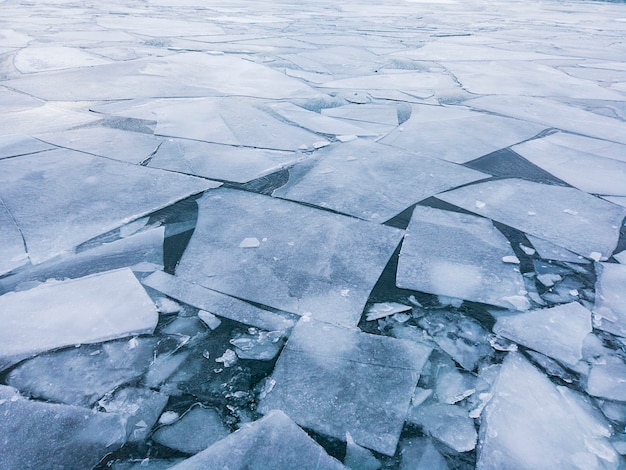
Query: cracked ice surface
[(141, 303)]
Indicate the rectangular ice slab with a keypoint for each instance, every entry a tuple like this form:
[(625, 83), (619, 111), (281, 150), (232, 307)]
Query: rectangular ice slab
[(219, 304), (334, 380), (372, 181), (554, 213), (86, 310), (530, 424), (44, 435), (308, 261), (610, 309), (557, 332), (60, 199), (273, 441), (458, 134), (461, 256)]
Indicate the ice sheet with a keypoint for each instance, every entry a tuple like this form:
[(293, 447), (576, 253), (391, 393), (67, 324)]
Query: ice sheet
[(558, 332), (273, 441), (334, 380), (12, 249), (458, 255), (309, 262), (457, 134), (554, 213), (62, 198), (54, 314), (549, 250), (50, 117), (361, 178), (40, 59), (14, 145), (610, 308)]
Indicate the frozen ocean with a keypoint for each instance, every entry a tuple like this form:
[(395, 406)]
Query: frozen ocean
[(279, 234)]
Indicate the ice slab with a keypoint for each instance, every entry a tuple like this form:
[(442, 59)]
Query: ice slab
[(49, 117), (553, 114), (85, 196), (81, 376), (139, 407), (528, 425), (220, 162), (554, 213), (377, 113), (558, 332), (196, 430), (609, 311), (273, 441), (158, 27), (219, 304), (334, 380), (458, 255), (607, 379), (12, 249), (15, 145), (179, 75), (420, 454), (34, 59), (325, 268), (586, 171), (132, 251), (549, 250), (361, 178), (585, 144), (359, 458), (458, 134), (449, 424), (131, 147), (45, 435), (55, 314)]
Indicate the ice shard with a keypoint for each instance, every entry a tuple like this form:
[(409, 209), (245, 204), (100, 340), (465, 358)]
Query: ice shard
[(554, 213), (609, 311), (361, 178), (309, 262), (86, 310), (334, 380), (458, 255)]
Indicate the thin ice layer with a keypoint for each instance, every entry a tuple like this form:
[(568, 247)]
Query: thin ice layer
[(45, 435), (86, 310), (586, 171), (307, 261), (458, 255), (558, 332), (610, 309), (529, 425), (334, 380), (12, 250), (554, 213), (458, 134), (273, 441), (220, 162), (62, 198), (362, 178)]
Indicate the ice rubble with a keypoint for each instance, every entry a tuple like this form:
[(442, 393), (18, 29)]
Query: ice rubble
[(459, 255), (87, 310), (334, 380), (360, 178)]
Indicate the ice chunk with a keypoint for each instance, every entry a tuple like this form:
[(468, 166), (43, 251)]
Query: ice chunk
[(453, 386), (549, 250), (361, 178), (219, 304), (509, 201), (327, 267), (131, 147), (81, 376), (85, 197), (609, 311), (620, 257), (449, 424), (209, 319), (457, 134), (586, 171), (382, 310), (359, 458), (140, 408), (557, 332), (45, 435), (420, 454), (178, 75), (528, 425), (457, 255), (143, 247), (86, 310), (221, 162), (196, 430), (274, 441), (15, 145), (333, 380), (607, 379), (259, 345), (12, 249)]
